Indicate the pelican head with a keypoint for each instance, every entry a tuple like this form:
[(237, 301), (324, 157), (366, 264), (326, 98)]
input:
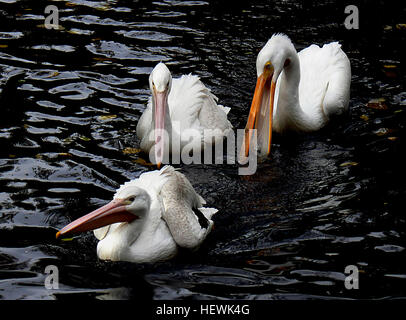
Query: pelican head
[(271, 60), (137, 199), (160, 83), (129, 203)]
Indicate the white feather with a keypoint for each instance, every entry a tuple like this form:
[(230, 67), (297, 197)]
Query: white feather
[(311, 88), (192, 106), (170, 221), (324, 87)]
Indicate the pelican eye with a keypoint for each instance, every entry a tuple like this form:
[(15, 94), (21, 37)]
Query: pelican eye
[(268, 68), (131, 199), (268, 65)]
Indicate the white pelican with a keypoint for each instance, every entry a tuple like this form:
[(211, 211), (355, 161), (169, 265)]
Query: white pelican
[(148, 219), (178, 108), (302, 90)]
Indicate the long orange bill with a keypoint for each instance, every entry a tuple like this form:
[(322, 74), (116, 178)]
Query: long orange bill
[(271, 105), (252, 122), (255, 107), (114, 211), (160, 110)]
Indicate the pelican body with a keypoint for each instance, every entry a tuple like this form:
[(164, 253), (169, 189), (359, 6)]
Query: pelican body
[(302, 91), (181, 110), (148, 219)]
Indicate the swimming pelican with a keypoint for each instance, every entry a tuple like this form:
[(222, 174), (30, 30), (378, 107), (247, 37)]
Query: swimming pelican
[(148, 219), (302, 91), (181, 110)]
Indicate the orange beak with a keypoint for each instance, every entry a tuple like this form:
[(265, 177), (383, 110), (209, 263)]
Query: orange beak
[(114, 211), (264, 82)]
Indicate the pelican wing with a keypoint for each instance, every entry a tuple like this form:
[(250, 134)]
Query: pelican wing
[(325, 80), (144, 127), (180, 201), (193, 105)]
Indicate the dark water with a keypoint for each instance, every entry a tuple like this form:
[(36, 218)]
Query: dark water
[(70, 102)]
